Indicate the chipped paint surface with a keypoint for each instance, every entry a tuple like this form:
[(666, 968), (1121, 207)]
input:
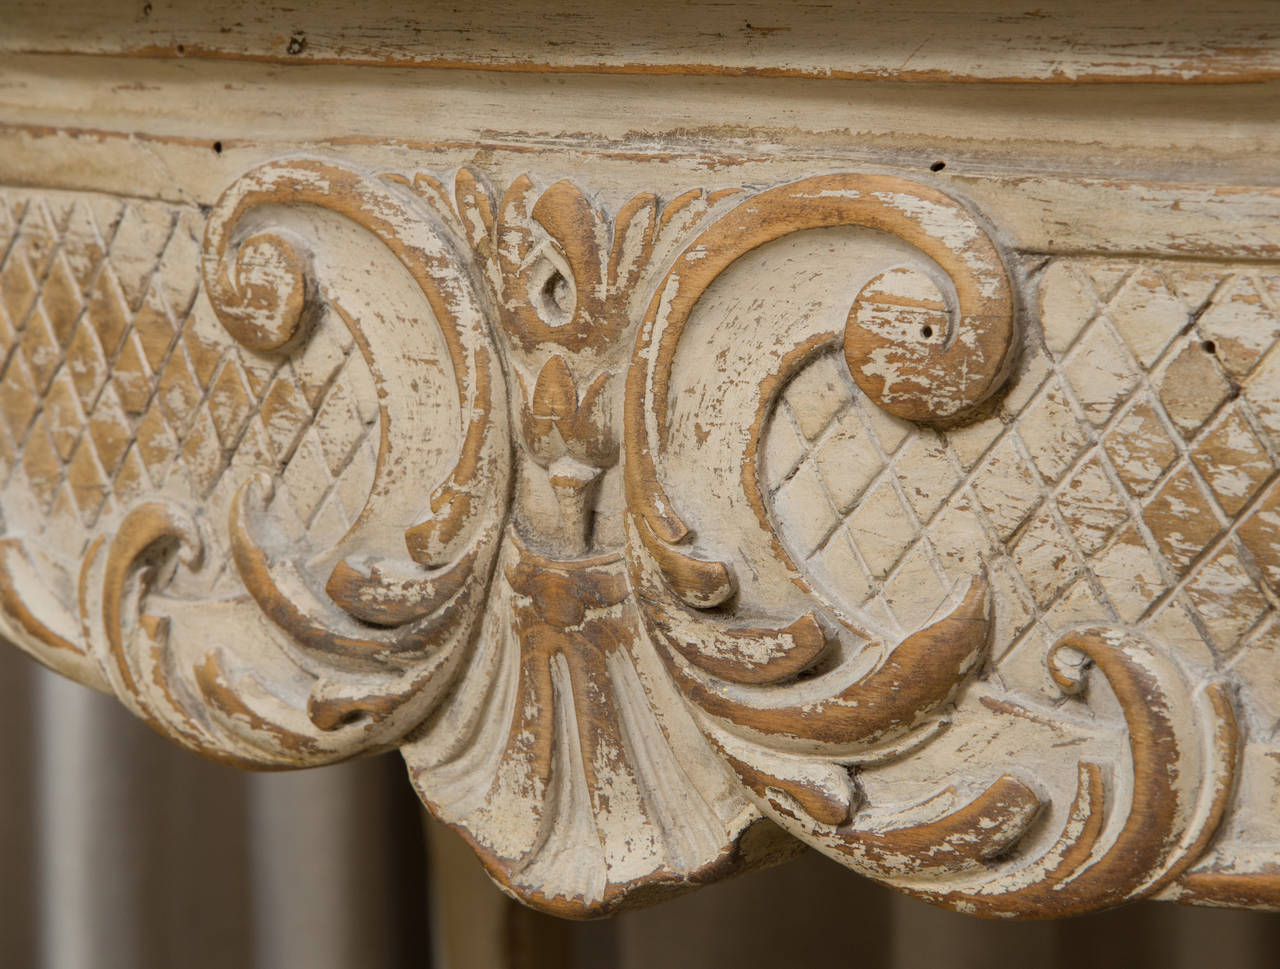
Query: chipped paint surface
[(667, 529), (1062, 41)]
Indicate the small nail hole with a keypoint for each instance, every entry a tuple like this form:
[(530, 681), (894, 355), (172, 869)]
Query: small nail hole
[(1209, 346), (937, 166), (926, 331), (146, 10), (557, 295), (181, 49), (217, 148)]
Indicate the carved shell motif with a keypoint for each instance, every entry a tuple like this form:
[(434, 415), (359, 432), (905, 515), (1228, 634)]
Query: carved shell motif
[(647, 536)]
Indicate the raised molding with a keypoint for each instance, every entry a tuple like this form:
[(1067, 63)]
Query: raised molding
[(667, 532), (1059, 42)]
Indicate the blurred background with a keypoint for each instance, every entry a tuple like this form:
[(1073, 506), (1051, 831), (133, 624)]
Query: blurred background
[(120, 851)]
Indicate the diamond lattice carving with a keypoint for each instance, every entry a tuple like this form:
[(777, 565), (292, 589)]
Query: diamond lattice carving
[(1110, 497), (117, 381)]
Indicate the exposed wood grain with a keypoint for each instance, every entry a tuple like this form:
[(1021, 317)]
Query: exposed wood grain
[(1066, 41)]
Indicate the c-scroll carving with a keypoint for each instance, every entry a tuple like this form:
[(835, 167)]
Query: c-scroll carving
[(616, 647), (1128, 830), (802, 708), (409, 619), (339, 649), (940, 378)]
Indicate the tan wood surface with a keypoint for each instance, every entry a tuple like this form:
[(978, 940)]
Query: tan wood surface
[(1061, 41)]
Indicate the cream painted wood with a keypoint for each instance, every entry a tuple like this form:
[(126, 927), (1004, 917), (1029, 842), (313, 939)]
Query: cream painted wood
[(786, 446)]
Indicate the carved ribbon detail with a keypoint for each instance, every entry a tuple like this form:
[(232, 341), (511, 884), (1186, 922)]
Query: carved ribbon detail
[(576, 580)]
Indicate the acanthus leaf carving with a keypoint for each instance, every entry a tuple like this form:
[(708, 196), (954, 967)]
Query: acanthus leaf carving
[(423, 609), (592, 574)]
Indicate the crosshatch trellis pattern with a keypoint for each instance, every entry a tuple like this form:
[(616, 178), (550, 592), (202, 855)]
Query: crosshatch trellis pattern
[(1108, 500), (116, 380)]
